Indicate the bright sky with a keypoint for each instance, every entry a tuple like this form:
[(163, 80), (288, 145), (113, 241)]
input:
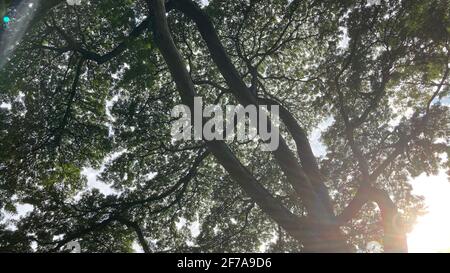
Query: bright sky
[(432, 232)]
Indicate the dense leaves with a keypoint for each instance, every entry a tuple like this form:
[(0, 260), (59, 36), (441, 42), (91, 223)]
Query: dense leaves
[(88, 90)]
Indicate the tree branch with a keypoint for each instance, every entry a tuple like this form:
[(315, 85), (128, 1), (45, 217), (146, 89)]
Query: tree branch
[(101, 59), (135, 226), (287, 161), (273, 207), (304, 150)]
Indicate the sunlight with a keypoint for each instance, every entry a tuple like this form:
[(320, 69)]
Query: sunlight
[(15, 28), (432, 231)]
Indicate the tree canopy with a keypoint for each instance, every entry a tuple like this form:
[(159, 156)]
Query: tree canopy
[(92, 86)]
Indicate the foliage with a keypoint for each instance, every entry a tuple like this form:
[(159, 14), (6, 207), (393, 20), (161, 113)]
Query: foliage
[(381, 67)]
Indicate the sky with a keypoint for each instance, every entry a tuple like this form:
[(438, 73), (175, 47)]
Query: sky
[(431, 233)]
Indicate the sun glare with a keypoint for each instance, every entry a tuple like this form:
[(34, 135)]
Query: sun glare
[(432, 231)]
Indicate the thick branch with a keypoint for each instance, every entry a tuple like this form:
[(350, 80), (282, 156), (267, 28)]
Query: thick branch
[(141, 238), (283, 154), (270, 205), (394, 233), (304, 150)]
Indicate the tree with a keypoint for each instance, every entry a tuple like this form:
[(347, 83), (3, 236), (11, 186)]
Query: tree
[(93, 86)]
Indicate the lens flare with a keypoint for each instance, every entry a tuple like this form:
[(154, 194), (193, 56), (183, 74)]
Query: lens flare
[(18, 24)]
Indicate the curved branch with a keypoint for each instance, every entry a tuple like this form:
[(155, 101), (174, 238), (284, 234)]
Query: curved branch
[(270, 205), (394, 233), (304, 150), (287, 161)]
